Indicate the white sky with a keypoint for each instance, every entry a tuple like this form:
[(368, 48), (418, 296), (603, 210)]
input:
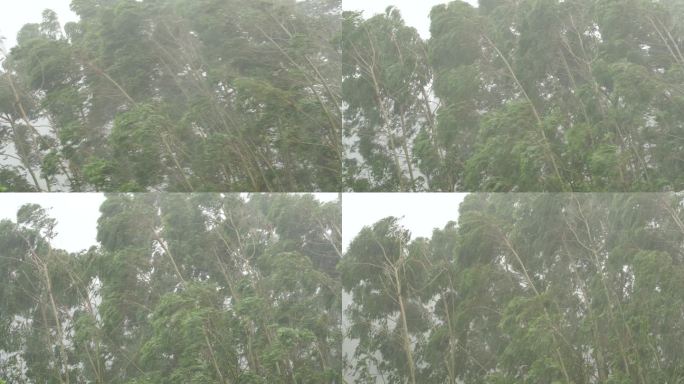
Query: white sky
[(326, 197), (415, 12), (420, 212), (76, 215), (15, 13)]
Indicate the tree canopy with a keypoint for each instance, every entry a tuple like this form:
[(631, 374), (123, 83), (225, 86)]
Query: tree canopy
[(531, 95), (181, 95), (524, 288), (284, 95), (181, 288)]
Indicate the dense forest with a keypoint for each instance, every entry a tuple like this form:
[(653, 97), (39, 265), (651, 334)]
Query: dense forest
[(174, 95), (524, 288), (285, 95), (182, 288), (516, 95)]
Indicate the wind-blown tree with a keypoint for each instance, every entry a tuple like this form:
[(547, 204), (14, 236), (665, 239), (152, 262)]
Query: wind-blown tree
[(386, 94), (384, 271), (534, 95), (529, 288), (179, 96), (36, 296), (15, 138), (202, 288)]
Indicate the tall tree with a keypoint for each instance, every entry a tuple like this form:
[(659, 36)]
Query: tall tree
[(534, 95), (528, 288), (182, 288), (181, 96), (386, 91), (385, 272)]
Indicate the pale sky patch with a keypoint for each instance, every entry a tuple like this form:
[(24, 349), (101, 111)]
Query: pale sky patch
[(15, 13), (326, 197), (415, 12), (421, 213), (76, 215)]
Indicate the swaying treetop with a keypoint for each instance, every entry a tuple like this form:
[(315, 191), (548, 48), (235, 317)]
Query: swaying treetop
[(176, 95), (196, 288), (524, 288), (530, 95)]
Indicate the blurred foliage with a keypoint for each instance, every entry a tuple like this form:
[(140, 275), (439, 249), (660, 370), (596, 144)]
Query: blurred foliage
[(180, 96), (531, 95), (182, 288), (524, 288)]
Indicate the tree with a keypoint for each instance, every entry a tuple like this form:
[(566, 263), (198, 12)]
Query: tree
[(203, 288), (384, 274), (385, 85), (528, 288), (180, 96), (533, 96)]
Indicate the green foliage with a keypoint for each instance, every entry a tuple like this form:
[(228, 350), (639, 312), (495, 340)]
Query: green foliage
[(185, 96), (528, 95), (525, 288), (183, 288), (13, 181), (385, 78)]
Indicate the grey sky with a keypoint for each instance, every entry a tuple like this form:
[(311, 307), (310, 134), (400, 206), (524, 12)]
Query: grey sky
[(415, 12), (421, 212)]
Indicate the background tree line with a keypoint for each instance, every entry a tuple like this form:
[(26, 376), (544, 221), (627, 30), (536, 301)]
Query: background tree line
[(525, 288), (272, 95), (529, 95), (201, 288), (208, 95)]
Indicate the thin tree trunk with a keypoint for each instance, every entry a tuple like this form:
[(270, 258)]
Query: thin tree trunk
[(547, 143), (404, 328)]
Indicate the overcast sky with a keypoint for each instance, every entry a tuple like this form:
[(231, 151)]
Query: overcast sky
[(415, 12), (76, 214), (420, 212), (15, 13)]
